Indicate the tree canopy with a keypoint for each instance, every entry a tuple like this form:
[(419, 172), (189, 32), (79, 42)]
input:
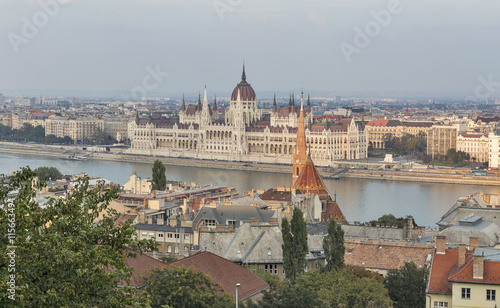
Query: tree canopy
[(159, 177), (407, 144), (407, 285), (29, 133), (60, 256), (333, 245), (46, 173), (185, 288), (294, 244)]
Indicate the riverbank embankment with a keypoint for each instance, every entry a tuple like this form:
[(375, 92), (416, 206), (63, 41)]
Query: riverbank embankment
[(450, 176)]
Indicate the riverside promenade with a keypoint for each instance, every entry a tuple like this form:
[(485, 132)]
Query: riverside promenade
[(421, 174)]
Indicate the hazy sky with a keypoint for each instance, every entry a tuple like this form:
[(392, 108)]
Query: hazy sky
[(105, 45)]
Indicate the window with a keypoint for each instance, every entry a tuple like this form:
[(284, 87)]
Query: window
[(491, 295), (230, 222), (209, 222), (169, 235), (271, 268), (169, 249), (186, 236), (160, 235), (440, 304), (151, 234), (177, 235), (465, 293), (144, 234)]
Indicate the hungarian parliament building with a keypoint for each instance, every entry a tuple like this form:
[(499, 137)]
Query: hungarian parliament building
[(245, 133)]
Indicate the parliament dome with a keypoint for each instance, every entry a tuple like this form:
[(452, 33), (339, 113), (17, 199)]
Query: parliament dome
[(245, 89)]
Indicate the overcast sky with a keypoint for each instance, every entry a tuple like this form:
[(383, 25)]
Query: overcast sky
[(108, 45)]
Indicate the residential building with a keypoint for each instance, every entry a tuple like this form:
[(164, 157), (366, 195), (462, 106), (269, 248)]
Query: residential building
[(116, 128), (463, 277), (137, 185), (256, 244), (78, 129), (440, 139), (494, 150), (174, 237), (476, 145), (376, 131)]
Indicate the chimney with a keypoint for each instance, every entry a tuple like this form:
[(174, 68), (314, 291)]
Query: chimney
[(461, 255), (254, 221), (273, 221), (142, 217), (159, 221), (473, 243), (478, 268), (150, 220), (441, 244), (252, 193)]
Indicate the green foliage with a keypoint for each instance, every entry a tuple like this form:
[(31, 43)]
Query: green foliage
[(407, 144), (185, 288), (453, 156), (333, 245), (407, 285), (62, 258), (350, 287), (274, 282), (29, 133), (46, 173), (391, 220), (159, 177), (294, 245), (103, 138), (290, 297)]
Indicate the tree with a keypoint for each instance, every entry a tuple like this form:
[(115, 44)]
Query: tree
[(333, 245), (407, 285), (294, 245), (291, 297), (350, 287), (58, 255), (46, 173), (181, 287), (159, 178)]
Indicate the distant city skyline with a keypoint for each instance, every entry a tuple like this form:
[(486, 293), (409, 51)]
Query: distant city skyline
[(166, 48)]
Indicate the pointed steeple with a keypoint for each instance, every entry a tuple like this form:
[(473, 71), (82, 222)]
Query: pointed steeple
[(215, 102), (290, 101), (274, 104), (308, 104), (205, 95), (293, 103), (183, 108), (300, 152), (243, 75), (198, 107)]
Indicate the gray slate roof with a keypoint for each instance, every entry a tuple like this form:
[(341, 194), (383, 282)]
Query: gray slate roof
[(238, 212)]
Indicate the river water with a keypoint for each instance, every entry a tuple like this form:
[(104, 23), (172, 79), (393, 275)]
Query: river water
[(360, 199)]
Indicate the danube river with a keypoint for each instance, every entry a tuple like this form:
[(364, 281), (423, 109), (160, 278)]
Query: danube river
[(360, 199)]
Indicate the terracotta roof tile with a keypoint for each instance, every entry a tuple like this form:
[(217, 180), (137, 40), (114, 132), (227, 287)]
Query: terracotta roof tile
[(441, 266), (225, 273), (385, 256)]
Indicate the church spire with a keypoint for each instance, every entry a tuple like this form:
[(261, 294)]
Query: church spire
[(243, 75), (198, 107), (293, 104), (308, 104), (215, 102), (274, 104), (183, 108), (300, 152)]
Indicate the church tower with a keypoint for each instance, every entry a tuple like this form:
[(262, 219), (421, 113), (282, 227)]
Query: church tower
[(300, 153)]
